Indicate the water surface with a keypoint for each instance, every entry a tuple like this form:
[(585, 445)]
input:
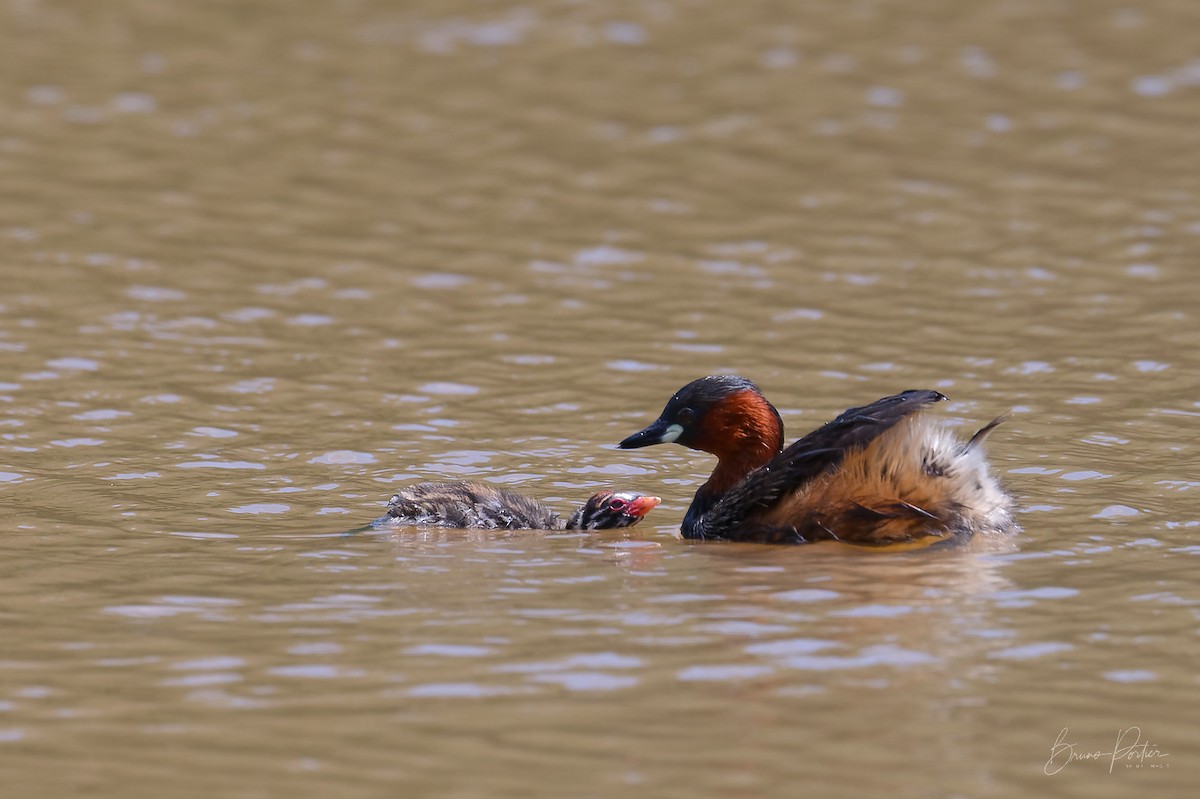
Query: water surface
[(263, 264)]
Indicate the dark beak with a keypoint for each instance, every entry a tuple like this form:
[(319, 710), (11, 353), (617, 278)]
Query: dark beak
[(651, 435)]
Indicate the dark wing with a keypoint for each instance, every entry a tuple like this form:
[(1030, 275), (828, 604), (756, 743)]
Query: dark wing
[(812, 455), (853, 429)]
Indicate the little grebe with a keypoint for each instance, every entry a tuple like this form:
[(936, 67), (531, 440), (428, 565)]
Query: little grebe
[(879, 474), (478, 505)]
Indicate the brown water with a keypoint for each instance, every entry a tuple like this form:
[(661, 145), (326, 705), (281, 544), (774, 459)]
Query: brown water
[(264, 262)]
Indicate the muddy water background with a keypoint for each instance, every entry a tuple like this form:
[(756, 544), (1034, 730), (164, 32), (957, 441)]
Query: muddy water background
[(263, 262)]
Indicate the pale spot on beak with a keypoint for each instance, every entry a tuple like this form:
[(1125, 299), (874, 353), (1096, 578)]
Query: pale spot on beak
[(671, 433)]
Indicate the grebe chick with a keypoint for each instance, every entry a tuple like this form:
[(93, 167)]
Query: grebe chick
[(476, 505), (879, 474)]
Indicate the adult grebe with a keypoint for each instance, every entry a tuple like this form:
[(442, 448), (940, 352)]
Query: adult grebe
[(879, 474)]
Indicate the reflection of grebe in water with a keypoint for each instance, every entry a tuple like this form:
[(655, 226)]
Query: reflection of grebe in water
[(480, 506), (879, 474)]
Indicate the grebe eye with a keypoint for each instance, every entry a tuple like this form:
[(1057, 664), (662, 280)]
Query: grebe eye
[(618, 505), (685, 415)]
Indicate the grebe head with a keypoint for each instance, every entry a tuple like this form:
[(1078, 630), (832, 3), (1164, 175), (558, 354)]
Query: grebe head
[(722, 414), (608, 510)]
